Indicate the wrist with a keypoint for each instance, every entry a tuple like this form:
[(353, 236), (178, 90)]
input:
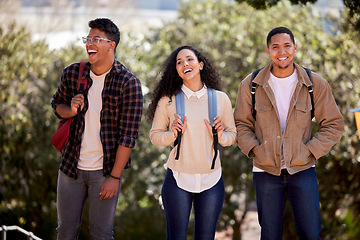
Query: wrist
[(117, 178)]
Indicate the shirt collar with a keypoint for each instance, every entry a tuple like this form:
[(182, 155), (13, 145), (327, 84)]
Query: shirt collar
[(293, 75), (189, 93), (95, 77)]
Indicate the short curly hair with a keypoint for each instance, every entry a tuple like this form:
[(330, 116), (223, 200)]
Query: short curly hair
[(108, 27), (170, 82), (278, 30)]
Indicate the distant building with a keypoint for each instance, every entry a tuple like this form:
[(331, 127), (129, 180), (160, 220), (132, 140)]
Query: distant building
[(159, 4), (144, 4), (64, 21)]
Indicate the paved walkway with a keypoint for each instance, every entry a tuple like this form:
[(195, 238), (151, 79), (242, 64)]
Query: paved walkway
[(250, 229)]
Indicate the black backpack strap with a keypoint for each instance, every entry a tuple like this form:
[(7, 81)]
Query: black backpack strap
[(216, 143), (311, 91), (253, 89), (254, 85)]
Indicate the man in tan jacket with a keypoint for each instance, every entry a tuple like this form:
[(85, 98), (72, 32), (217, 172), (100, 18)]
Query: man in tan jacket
[(278, 137)]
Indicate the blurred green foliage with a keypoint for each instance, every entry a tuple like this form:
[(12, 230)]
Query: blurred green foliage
[(352, 6), (263, 4), (29, 73), (233, 37)]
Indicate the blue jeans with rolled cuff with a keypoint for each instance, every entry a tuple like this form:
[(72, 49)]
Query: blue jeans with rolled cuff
[(178, 203), (301, 190)]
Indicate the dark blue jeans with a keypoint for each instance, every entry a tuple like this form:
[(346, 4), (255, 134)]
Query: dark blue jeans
[(178, 203), (301, 190)]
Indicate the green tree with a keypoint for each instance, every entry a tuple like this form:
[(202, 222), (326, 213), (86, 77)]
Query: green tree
[(264, 4), (233, 37), (28, 170), (24, 158), (353, 7), (338, 171), (139, 213)]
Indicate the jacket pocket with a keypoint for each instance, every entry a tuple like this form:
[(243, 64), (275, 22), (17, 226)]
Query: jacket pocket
[(262, 108), (303, 107), (301, 156), (302, 116), (263, 156), (264, 115), (265, 119)]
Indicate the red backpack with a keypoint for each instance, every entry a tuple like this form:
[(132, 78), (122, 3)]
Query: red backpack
[(61, 136)]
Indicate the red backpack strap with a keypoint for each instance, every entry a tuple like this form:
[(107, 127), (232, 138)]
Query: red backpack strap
[(80, 79), (82, 83)]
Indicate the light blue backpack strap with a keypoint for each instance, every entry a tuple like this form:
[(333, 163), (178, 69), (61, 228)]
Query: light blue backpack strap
[(180, 105), (180, 109), (212, 104), (212, 115)]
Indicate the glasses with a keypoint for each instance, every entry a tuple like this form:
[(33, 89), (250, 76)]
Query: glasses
[(94, 40)]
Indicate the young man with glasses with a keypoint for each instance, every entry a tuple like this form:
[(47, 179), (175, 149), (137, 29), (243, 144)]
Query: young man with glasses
[(101, 136)]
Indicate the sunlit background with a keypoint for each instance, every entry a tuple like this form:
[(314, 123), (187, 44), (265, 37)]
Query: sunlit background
[(41, 37)]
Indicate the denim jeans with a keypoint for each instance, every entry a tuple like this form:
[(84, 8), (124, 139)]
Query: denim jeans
[(301, 190), (71, 197), (178, 203)]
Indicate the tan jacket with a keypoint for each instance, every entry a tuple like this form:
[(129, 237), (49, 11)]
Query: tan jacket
[(300, 147)]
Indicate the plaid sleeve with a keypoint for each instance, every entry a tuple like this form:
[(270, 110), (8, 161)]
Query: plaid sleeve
[(131, 112), (67, 87)]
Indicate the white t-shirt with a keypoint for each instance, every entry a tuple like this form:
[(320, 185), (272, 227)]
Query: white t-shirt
[(91, 150), (283, 89)]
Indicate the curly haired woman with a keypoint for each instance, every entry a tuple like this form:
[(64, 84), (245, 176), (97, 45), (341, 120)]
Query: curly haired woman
[(191, 179)]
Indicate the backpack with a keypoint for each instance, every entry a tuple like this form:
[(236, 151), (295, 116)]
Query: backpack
[(61, 136), (254, 85), (180, 109)]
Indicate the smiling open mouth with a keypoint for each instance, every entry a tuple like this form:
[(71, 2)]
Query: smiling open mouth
[(92, 52)]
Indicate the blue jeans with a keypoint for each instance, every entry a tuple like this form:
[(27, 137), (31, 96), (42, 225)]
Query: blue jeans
[(178, 203), (301, 190), (71, 197)]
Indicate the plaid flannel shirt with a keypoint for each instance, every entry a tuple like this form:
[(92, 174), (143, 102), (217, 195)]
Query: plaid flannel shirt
[(119, 118)]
